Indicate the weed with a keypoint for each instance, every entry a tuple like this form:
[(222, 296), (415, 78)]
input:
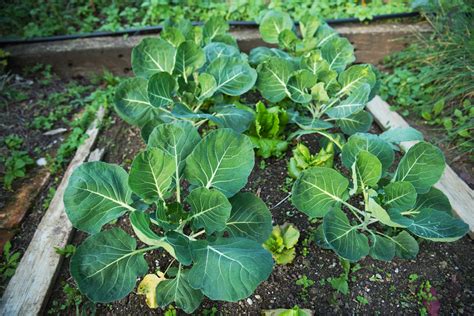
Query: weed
[(362, 300), (305, 284), (9, 263), (67, 251)]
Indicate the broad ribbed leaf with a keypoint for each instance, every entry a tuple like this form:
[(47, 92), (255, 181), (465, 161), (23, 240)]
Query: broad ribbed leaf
[(354, 77), (261, 54), (287, 40), (132, 103), (324, 34), (368, 169), (207, 86), (438, 226), (151, 174), (210, 210), (400, 196), (250, 218), (299, 86), (309, 24), (354, 103), (106, 266), (140, 222), (222, 160), (339, 53), (273, 79), (172, 35), (161, 87), (229, 116), (343, 238), (318, 190), (215, 50), (233, 76), (189, 57), (359, 122), (153, 55), (97, 193), (398, 135), (245, 262), (368, 142), (179, 291), (382, 248), (434, 199), (389, 218), (422, 165), (180, 244), (213, 27), (272, 24), (406, 246)]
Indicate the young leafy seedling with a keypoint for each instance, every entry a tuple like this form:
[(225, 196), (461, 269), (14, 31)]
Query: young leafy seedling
[(302, 159), (395, 205), (213, 232), (282, 243)]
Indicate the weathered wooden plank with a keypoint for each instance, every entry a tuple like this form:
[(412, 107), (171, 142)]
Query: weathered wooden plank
[(459, 193), (29, 288)]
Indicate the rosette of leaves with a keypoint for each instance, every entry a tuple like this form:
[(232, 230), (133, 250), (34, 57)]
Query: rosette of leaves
[(282, 243), (396, 206), (184, 71), (266, 132), (312, 69), (302, 159), (213, 232)]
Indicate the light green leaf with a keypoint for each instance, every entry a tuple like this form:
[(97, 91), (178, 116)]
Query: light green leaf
[(319, 190), (392, 219), (339, 53), (207, 85), (250, 218), (245, 261), (161, 87), (215, 50), (210, 210), (354, 103), (359, 122), (398, 135), (399, 196), (233, 76), (309, 24), (368, 169), (324, 34), (189, 58), (179, 291), (438, 226), (422, 165), (299, 86), (229, 116), (261, 54), (434, 199), (368, 142), (180, 244), (172, 35), (151, 174), (356, 76), (222, 160), (272, 24), (406, 246), (214, 26), (153, 55), (273, 78), (106, 266), (97, 193), (343, 238), (382, 248), (287, 40)]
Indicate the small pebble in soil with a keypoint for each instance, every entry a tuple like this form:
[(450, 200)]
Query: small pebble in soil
[(249, 301), (396, 270), (258, 297), (41, 162)]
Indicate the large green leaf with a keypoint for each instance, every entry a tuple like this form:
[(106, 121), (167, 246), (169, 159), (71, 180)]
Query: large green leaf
[(210, 210), (398, 135), (161, 87), (319, 190), (261, 54), (250, 218), (354, 103), (389, 218), (180, 244), (343, 238), (406, 246), (382, 248), (359, 122), (309, 24), (132, 103), (230, 116), (273, 78), (368, 169), (245, 262), (422, 165), (324, 34), (151, 174), (172, 35), (299, 86), (354, 77), (222, 160), (437, 226), (215, 50), (339, 53), (153, 55), (233, 76), (213, 27), (97, 193), (106, 266), (434, 199), (189, 57), (368, 142), (207, 86), (179, 291), (272, 24), (400, 196)]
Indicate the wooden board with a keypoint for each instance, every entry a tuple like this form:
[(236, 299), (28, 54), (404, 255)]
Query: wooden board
[(459, 193), (29, 288)]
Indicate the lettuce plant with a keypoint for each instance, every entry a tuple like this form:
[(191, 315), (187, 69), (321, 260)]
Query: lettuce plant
[(282, 243), (313, 72), (213, 233), (395, 206), (185, 70), (302, 159)]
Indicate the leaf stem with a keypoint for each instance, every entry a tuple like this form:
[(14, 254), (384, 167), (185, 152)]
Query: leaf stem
[(199, 233)]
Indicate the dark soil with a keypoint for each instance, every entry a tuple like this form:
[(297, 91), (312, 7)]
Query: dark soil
[(385, 285)]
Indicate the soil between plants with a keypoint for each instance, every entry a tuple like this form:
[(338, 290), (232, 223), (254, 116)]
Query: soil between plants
[(385, 285)]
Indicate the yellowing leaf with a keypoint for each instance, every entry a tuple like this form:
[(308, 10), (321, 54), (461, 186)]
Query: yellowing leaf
[(148, 286)]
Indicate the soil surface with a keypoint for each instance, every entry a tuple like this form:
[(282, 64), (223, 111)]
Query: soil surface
[(376, 286)]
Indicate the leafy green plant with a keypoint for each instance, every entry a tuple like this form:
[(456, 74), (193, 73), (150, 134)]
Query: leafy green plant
[(267, 130), (13, 141), (282, 243), (341, 283), (401, 203), (295, 311), (67, 251), (10, 261), (73, 300), (15, 167), (302, 159), (305, 284), (228, 264), (186, 70)]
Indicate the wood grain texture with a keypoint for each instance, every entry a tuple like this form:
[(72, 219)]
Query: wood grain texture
[(459, 193), (28, 290)]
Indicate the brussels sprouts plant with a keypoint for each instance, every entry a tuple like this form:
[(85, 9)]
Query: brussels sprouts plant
[(213, 233), (395, 206), (185, 70), (313, 72)]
